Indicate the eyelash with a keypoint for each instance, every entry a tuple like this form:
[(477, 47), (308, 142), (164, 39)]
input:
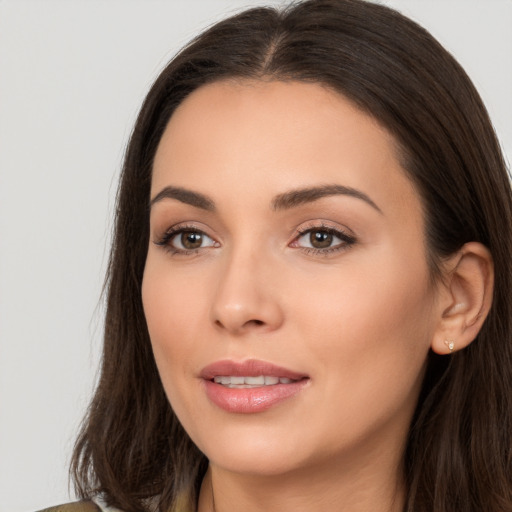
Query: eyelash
[(346, 239), (165, 240)]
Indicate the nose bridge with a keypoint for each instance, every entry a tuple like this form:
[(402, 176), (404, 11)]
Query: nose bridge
[(246, 297)]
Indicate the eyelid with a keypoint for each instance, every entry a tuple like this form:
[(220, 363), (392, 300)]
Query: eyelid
[(344, 234), (322, 224), (164, 240)]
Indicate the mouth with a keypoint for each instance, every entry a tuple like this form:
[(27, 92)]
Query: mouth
[(246, 382), (250, 386)]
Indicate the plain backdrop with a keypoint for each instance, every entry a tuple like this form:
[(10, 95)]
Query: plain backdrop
[(72, 76)]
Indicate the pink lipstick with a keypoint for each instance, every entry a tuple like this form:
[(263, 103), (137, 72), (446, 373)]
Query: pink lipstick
[(250, 386)]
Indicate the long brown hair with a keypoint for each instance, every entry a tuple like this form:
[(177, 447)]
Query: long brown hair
[(132, 448)]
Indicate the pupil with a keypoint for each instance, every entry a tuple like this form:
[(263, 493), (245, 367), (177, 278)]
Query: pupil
[(320, 239), (191, 240)]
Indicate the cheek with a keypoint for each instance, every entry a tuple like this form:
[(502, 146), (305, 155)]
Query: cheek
[(367, 299), (369, 330), (173, 308)]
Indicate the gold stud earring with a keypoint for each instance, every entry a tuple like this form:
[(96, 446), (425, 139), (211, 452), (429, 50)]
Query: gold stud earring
[(450, 345)]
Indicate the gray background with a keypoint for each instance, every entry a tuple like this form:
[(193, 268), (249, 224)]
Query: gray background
[(72, 76)]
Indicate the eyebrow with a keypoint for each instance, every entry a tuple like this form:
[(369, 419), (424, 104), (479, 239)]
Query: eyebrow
[(185, 196), (297, 197), (285, 201)]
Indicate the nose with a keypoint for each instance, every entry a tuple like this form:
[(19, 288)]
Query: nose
[(246, 297)]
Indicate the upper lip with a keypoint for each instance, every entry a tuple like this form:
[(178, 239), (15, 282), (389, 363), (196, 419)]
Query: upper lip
[(248, 368)]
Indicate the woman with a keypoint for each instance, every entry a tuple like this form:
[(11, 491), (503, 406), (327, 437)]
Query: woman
[(308, 294)]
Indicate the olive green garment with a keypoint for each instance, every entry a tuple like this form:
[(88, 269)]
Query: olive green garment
[(77, 506)]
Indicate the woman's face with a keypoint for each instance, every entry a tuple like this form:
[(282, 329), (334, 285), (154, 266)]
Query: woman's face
[(286, 247)]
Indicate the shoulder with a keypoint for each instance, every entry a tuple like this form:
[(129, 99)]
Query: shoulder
[(77, 506), (81, 506)]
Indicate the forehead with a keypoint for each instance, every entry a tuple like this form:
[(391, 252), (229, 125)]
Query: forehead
[(264, 137), (260, 110)]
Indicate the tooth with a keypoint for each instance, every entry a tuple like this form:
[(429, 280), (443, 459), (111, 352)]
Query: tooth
[(242, 382), (260, 380)]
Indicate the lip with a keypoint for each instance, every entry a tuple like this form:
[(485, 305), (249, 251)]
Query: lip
[(250, 400), (249, 368)]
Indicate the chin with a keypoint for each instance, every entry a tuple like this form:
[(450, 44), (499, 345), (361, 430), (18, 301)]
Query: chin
[(256, 462), (252, 451)]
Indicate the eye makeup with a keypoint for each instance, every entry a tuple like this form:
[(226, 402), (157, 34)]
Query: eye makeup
[(316, 238), (322, 239), (185, 240)]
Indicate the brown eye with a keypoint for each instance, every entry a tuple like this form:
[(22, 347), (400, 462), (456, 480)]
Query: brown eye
[(191, 239), (187, 240), (324, 240), (320, 239)]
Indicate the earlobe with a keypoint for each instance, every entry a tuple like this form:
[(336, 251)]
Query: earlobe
[(466, 299)]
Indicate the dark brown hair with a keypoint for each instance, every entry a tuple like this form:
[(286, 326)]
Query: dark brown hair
[(458, 457)]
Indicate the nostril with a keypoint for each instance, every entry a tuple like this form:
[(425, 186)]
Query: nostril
[(248, 324)]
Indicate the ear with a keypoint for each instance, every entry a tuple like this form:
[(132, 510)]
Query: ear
[(465, 298)]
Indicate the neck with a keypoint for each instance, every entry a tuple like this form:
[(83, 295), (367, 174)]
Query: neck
[(334, 487)]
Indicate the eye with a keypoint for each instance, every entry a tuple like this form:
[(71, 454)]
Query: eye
[(323, 240), (190, 240), (319, 239), (184, 240)]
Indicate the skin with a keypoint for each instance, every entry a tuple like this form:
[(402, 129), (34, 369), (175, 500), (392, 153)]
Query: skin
[(359, 321)]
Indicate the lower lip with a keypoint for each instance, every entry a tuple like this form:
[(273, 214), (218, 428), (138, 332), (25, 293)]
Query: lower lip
[(251, 400)]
